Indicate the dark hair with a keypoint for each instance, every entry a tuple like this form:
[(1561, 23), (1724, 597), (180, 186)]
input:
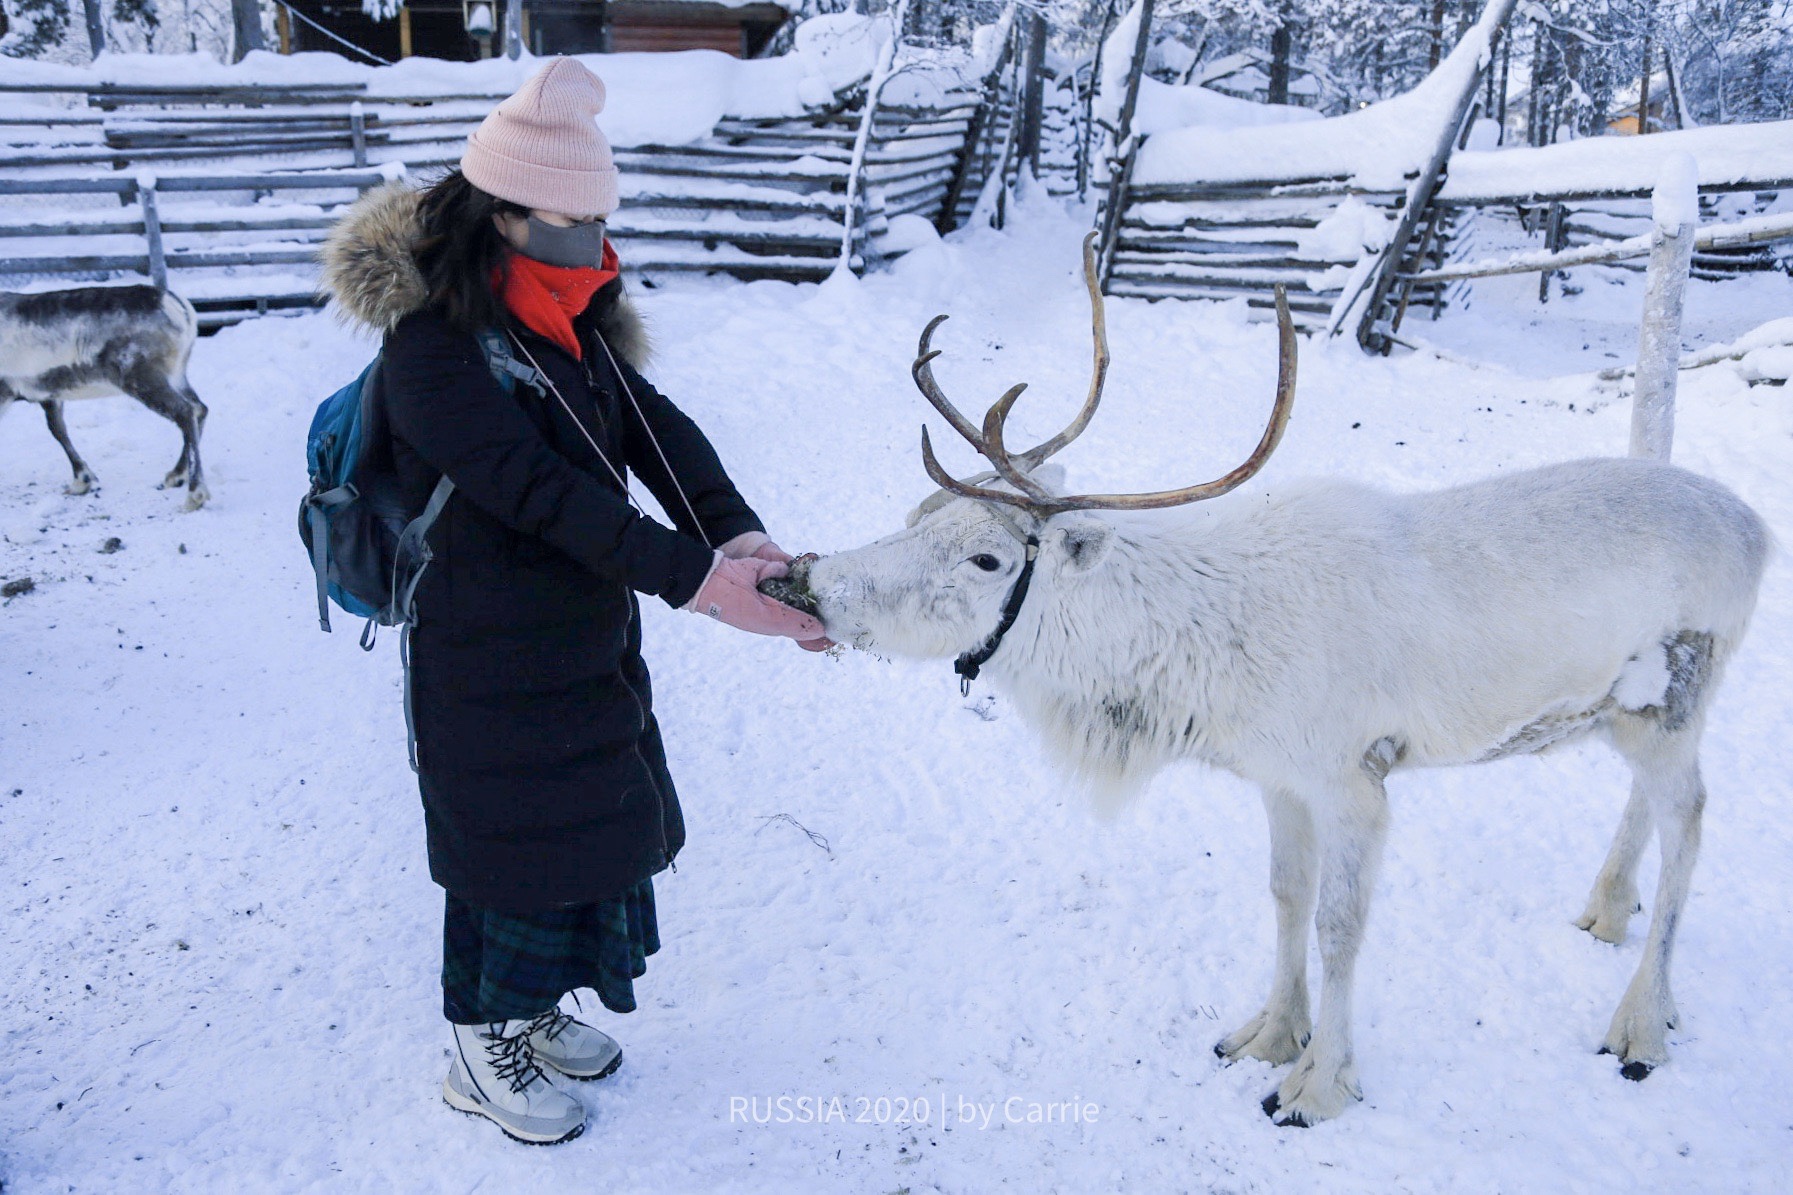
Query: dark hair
[(461, 248)]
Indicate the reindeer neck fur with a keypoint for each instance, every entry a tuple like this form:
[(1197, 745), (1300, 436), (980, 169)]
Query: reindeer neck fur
[(1125, 668)]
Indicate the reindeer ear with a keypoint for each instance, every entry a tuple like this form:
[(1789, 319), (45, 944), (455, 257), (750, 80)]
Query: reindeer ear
[(1083, 539), (1051, 476)]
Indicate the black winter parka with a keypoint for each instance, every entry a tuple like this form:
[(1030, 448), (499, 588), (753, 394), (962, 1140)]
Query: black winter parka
[(542, 774), (543, 777)]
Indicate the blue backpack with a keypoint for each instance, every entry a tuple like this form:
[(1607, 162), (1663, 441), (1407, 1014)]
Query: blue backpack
[(365, 540)]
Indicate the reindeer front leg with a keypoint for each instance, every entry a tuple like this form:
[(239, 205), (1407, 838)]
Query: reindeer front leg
[(1280, 1029), (1352, 822), (84, 477)]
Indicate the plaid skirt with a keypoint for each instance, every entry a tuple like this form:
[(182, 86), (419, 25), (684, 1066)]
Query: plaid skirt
[(510, 966)]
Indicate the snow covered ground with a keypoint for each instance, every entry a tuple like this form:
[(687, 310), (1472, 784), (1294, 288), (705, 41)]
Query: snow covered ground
[(219, 942)]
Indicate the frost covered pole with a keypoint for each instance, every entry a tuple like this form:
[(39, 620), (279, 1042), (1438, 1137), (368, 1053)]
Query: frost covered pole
[(1676, 208), (1124, 143), (245, 20), (96, 26), (1373, 330), (874, 86), (1033, 85), (513, 29)]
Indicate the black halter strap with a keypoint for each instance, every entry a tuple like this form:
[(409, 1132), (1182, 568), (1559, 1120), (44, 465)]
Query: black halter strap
[(967, 665)]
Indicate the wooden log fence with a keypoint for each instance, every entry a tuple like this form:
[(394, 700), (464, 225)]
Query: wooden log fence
[(1757, 230), (755, 199)]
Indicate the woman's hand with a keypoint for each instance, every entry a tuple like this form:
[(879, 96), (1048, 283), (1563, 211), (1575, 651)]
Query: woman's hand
[(756, 545), (731, 595)]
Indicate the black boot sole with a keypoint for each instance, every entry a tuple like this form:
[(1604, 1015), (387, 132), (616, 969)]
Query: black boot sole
[(519, 1140), (603, 1074)]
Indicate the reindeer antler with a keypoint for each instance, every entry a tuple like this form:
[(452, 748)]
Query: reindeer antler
[(1032, 496)]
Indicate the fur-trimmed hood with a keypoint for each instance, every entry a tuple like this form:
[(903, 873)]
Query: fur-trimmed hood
[(368, 268)]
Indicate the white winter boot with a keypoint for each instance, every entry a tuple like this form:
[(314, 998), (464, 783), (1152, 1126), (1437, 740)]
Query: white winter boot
[(494, 1074), (572, 1047)]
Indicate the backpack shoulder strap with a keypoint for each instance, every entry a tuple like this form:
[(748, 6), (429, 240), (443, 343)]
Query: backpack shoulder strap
[(412, 546), (504, 364)]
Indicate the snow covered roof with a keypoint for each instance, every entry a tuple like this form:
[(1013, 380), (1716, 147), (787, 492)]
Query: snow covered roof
[(1376, 147)]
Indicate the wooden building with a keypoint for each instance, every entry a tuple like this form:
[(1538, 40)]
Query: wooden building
[(438, 28)]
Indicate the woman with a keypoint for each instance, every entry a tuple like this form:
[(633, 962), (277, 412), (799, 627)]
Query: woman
[(547, 802)]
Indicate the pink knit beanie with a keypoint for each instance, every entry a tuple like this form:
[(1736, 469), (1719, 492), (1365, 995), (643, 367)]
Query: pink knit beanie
[(541, 149)]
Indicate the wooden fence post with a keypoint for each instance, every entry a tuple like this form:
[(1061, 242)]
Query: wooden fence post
[(96, 26), (358, 133), (1372, 334), (1033, 81), (1556, 238), (1126, 147), (513, 29), (1676, 208), (981, 120), (853, 235), (245, 21), (152, 230)]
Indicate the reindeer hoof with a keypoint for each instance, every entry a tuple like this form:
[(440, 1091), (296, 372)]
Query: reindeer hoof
[(1637, 1072), (1273, 1104), (82, 486)]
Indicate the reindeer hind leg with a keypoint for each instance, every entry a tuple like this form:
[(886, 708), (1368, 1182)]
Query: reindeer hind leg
[(1614, 896), (197, 493), (1666, 770), (85, 480), (174, 400)]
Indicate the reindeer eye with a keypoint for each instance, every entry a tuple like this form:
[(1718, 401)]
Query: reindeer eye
[(986, 562)]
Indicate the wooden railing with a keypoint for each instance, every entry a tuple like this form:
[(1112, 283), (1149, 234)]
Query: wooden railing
[(755, 199)]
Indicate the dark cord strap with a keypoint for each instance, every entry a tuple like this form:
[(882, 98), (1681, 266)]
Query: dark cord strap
[(968, 665)]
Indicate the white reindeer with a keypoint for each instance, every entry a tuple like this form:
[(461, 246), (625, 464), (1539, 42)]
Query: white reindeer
[(91, 341), (1316, 639)]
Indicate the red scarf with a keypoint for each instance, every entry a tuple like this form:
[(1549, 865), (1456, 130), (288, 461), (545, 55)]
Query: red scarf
[(547, 298)]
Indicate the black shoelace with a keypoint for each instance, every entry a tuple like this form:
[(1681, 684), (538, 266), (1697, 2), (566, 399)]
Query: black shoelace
[(512, 1060), (550, 1024)]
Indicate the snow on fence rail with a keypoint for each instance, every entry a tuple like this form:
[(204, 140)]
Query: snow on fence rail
[(1593, 193), (755, 197), (1746, 157), (1331, 209), (1358, 215), (155, 239), (1757, 230)]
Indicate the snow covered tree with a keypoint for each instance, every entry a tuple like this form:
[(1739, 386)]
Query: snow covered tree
[(35, 27), (1737, 58), (138, 17), (57, 30)]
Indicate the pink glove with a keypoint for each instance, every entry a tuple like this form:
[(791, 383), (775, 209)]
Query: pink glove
[(730, 594), (756, 545)]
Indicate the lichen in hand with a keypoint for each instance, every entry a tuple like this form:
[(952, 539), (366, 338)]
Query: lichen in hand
[(793, 589)]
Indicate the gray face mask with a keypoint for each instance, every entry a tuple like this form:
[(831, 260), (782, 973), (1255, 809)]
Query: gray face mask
[(581, 246)]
